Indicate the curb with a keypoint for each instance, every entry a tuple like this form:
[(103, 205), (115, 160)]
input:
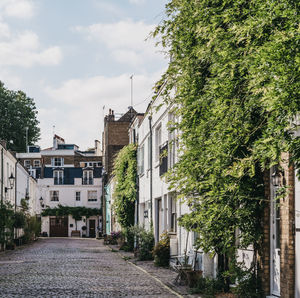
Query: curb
[(146, 272)]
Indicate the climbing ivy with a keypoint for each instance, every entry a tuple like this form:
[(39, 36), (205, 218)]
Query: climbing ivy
[(234, 82), (76, 212), (125, 171)]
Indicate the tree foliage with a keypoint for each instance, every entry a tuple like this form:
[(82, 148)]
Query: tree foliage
[(235, 73), (17, 111), (125, 171)]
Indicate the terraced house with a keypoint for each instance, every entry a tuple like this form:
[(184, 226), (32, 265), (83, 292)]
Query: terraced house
[(69, 177)]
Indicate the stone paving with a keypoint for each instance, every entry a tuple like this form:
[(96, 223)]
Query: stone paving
[(65, 267)]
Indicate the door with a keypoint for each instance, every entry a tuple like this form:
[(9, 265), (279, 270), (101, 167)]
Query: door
[(59, 226), (297, 224), (92, 228), (275, 244), (159, 219)]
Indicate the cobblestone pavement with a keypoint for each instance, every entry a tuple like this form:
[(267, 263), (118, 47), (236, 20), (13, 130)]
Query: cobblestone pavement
[(61, 267)]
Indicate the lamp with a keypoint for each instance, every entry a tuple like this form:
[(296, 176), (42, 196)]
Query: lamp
[(11, 182), (41, 202), (276, 177)]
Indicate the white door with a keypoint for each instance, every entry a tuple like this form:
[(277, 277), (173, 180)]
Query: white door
[(297, 223), (275, 245)]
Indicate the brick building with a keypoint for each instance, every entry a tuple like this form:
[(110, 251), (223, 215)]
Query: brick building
[(281, 240), (115, 137)]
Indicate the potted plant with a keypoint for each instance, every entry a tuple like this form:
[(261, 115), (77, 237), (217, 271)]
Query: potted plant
[(83, 228)]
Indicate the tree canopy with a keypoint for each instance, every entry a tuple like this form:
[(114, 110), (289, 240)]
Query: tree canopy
[(235, 72), (17, 111)]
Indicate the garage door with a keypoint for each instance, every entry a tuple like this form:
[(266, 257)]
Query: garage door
[(59, 226)]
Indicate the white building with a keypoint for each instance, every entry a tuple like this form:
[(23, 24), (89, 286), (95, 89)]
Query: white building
[(69, 177), (157, 152)]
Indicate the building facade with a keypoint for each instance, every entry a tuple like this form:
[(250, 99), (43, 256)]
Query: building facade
[(69, 177)]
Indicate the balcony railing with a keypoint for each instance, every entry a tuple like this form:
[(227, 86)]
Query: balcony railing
[(58, 181), (87, 181)]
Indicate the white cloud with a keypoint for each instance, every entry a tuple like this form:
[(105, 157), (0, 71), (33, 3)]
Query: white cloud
[(23, 9), (24, 50), (81, 102), (137, 2), (126, 40)]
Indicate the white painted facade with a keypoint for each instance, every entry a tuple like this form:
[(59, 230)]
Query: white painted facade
[(7, 168), (166, 209)]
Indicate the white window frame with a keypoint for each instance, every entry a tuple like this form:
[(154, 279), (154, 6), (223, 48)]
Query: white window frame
[(25, 163), (77, 197), (158, 141), (59, 174), (88, 176), (54, 195), (57, 162), (93, 198), (36, 161)]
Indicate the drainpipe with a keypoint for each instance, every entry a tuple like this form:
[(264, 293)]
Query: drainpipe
[(16, 165), (2, 174), (151, 178)]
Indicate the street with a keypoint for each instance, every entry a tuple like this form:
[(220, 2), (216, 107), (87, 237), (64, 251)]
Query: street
[(66, 267)]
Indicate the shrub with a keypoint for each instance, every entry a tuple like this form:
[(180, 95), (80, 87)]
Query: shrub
[(208, 286), (161, 251), (144, 242), (19, 219), (32, 229)]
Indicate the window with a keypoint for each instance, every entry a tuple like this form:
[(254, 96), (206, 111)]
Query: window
[(87, 178), (54, 195), (92, 195), (149, 153), (77, 195), (173, 215), (57, 162), (157, 142), (36, 163), (141, 160), (172, 140), (58, 177), (27, 164), (163, 165)]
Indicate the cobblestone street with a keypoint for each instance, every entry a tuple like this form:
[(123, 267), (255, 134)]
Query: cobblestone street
[(61, 267)]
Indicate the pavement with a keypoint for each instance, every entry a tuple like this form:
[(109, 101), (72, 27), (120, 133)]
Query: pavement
[(68, 267)]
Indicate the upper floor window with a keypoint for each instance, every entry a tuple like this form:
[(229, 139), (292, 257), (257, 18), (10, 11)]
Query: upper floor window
[(54, 195), (58, 177), (77, 195), (87, 177), (172, 140), (141, 154), (92, 195), (157, 142), (57, 161), (27, 164), (36, 163)]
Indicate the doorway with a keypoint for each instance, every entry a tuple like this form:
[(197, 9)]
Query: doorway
[(275, 242), (92, 228)]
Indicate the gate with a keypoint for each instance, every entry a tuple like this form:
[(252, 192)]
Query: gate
[(59, 226)]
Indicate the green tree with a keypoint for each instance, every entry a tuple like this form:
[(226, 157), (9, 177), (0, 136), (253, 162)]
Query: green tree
[(17, 111), (235, 72)]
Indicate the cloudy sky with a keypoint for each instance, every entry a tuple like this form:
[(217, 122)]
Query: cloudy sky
[(76, 56)]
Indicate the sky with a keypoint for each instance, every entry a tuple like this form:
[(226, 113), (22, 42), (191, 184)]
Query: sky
[(75, 59)]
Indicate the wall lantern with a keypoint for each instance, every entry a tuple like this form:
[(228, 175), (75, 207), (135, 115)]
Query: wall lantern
[(276, 177), (11, 182), (42, 202)]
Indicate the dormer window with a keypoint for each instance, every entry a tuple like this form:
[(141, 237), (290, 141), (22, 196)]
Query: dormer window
[(57, 162)]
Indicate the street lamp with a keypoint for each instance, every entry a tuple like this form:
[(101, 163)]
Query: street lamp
[(11, 182), (276, 177)]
